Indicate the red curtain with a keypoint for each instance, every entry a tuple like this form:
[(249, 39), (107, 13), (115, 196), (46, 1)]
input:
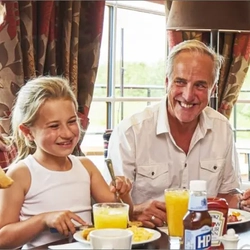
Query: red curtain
[(50, 38)]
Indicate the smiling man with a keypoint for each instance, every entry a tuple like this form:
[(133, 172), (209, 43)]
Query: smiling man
[(179, 139)]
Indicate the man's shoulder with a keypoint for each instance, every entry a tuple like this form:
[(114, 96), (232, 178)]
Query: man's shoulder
[(212, 114)]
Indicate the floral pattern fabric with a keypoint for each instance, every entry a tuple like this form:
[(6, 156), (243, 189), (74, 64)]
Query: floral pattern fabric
[(50, 38)]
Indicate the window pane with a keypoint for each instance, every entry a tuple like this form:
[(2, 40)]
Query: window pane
[(243, 115), (244, 96), (244, 163), (125, 109), (142, 91), (141, 40), (100, 89), (141, 4), (243, 149), (243, 138), (97, 117)]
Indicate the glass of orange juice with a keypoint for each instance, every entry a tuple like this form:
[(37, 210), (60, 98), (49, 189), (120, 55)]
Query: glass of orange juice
[(110, 215), (176, 207)]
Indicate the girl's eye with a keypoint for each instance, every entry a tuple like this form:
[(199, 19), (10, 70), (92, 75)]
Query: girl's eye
[(72, 121), (53, 126)]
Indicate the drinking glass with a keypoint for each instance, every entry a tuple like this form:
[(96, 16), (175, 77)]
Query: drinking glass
[(176, 207), (110, 215)]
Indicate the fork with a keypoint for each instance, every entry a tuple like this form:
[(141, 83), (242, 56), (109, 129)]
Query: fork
[(112, 174), (78, 228)]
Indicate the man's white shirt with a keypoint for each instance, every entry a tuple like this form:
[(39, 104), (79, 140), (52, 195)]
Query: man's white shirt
[(142, 148)]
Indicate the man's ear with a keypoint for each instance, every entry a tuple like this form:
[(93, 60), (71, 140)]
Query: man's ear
[(166, 84), (26, 131), (214, 89)]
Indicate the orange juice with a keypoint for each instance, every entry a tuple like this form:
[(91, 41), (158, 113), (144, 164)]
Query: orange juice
[(110, 215), (176, 207)]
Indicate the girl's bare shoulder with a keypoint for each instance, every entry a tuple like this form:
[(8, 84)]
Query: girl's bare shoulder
[(20, 174), (87, 163)]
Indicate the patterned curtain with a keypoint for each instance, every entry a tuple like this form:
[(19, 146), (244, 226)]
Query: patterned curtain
[(235, 48), (50, 38)]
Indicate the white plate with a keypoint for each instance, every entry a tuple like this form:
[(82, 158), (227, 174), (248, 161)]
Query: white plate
[(244, 217), (156, 235), (74, 245)]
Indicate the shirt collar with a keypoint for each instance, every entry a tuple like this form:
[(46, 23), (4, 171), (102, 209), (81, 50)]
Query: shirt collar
[(163, 125), (162, 119)]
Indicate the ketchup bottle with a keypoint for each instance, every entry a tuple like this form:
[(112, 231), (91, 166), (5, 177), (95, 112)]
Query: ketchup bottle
[(218, 209)]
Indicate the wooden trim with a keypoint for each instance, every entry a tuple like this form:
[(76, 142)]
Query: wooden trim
[(157, 1)]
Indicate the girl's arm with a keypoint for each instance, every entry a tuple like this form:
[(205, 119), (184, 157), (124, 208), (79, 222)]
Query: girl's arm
[(14, 233), (100, 190)]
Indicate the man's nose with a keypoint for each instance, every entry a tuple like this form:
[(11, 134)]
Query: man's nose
[(188, 93)]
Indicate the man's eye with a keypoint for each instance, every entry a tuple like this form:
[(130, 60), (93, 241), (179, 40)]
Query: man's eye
[(201, 86), (179, 82)]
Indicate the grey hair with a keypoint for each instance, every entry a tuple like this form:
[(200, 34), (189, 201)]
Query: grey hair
[(29, 100), (198, 47)]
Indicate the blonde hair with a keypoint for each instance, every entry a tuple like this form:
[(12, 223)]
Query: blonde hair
[(198, 47), (2, 12), (30, 98)]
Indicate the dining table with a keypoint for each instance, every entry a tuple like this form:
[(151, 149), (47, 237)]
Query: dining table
[(242, 229)]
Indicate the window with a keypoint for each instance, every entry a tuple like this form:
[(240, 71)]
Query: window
[(131, 71), (240, 121), (131, 75)]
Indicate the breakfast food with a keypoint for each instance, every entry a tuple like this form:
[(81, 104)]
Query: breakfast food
[(234, 217), (86, 231), (5, 181), (135, 223), (140, 234)]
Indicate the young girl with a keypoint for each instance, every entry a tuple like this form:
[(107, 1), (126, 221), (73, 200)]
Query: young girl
[(52, 188)]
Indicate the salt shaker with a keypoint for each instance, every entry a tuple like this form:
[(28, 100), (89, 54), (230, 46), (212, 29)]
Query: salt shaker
[(230, 239)]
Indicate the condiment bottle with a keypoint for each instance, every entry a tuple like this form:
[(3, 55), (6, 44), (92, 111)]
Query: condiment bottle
[(218, 210), (197, 221)]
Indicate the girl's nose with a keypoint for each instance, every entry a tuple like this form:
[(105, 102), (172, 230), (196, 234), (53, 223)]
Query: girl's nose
[(66, 131)]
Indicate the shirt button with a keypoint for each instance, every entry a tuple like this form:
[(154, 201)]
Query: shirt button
[(215, 167), (153, 173)]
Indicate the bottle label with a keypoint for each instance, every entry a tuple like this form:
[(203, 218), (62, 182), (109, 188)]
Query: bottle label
[(197, 239), (197, 203), (218, 222)]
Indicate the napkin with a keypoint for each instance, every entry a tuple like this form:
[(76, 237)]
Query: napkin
[(74, 245), (163, 229)]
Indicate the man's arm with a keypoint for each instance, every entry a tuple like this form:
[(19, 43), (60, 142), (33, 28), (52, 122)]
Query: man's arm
[(231, 177), (121, 151), (232, 199)]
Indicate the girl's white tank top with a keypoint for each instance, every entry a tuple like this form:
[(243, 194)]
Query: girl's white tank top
[(54, 191)]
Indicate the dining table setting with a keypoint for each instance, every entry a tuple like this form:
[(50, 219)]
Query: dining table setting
[(163, 242), (228, 228), (159, 239)]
